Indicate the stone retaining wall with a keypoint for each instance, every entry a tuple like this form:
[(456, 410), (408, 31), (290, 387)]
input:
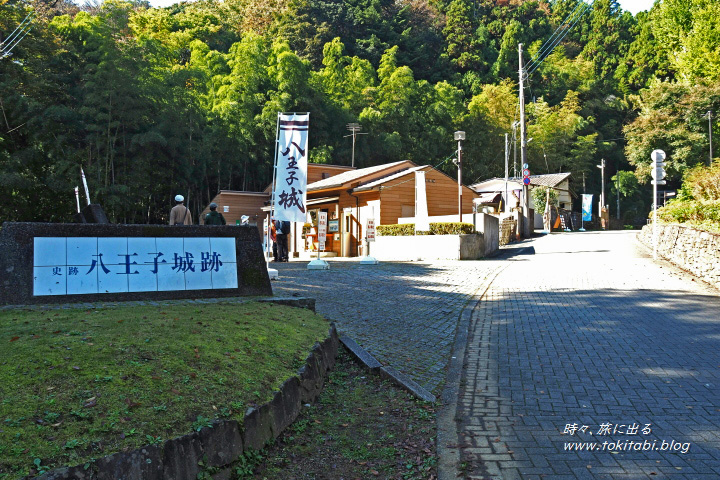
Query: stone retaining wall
[(213, 449), (508, 227), (693, 250)]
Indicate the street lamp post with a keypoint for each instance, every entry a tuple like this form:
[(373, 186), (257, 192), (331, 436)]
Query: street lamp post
[(460, 136)]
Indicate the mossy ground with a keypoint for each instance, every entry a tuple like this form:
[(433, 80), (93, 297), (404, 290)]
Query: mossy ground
[(360, 427), (81, 384)]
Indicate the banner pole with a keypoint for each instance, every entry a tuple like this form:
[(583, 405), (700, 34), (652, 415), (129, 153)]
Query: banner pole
[(87, 192), (272, 190)]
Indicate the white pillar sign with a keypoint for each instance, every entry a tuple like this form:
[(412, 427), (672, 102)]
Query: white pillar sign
[(322, 230), (370, 230), (91, 265)]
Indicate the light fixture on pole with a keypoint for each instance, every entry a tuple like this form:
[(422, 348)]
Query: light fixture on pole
[(355, 129), (460, 136), (709, 117)]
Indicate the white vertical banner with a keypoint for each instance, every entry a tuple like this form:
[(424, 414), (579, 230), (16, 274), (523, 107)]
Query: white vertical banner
[(290, 189), (322, 230), (422, 221)]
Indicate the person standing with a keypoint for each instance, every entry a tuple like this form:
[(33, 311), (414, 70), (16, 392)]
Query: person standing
[(180, 215), (283, 229), (273, 239), (214, 217)]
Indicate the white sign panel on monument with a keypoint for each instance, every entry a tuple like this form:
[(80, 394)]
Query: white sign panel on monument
[(90, 265)]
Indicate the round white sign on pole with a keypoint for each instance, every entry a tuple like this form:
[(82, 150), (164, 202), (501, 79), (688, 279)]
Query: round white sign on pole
[(657, 155)]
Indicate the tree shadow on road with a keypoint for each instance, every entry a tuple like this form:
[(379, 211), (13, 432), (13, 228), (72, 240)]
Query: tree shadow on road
[(553, 359)]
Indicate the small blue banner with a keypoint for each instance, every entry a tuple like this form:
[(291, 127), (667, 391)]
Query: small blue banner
[(587, 208)]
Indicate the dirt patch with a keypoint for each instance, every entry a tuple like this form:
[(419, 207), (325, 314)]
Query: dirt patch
[(361, 427)]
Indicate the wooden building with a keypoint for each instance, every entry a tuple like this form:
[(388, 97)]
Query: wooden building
[(236, 204), (350, 197), (489, 189), (384, 193)]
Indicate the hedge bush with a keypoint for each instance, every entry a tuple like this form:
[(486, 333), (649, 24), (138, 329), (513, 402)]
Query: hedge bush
[(436, 228), (703, 215), (698, 201)]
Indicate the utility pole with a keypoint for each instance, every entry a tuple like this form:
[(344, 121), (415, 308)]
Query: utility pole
[(602, 185), (514, 127), (523, 147), (507, 157), (709, 117), (355, 129), (460, 136), (617, 187)]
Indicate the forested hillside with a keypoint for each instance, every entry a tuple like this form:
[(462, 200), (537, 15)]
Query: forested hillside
[(153, 102)]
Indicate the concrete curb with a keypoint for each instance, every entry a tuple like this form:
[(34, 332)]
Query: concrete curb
[(358, 352), (407, 383), (448, 449), (388, 372), (298, 302)]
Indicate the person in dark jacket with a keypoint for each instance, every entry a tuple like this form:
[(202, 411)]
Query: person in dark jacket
[(214, 217), (283, 229)]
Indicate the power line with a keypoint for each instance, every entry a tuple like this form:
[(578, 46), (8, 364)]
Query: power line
[(546, 45), (570, 21), (7, 46)]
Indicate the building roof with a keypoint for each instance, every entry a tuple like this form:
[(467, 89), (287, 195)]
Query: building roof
[(546, 180), (351, 176), (243, 192), (491, 197), (392, 176)]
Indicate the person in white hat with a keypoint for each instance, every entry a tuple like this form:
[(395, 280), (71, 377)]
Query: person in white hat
[(180, 215)]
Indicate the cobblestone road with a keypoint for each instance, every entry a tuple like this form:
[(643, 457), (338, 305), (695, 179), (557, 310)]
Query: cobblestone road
[(404, 314), (589, 341)]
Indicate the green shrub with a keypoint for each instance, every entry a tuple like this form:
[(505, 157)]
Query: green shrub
[(436, 228), (690, 211), (396, 230), (698, 201)]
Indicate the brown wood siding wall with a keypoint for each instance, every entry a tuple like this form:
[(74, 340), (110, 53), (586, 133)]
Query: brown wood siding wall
[(442, 195), (239, 205), (315, 172), (441, 191), (393, 196)]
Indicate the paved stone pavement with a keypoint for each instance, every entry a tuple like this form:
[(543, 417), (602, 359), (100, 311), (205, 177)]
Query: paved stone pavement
[(403, 313), (590, 341)]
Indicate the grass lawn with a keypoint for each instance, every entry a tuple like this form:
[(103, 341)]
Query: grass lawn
[(81, 384)]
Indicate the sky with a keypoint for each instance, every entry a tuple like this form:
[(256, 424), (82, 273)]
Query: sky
[(635, 6), (632, 6)]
